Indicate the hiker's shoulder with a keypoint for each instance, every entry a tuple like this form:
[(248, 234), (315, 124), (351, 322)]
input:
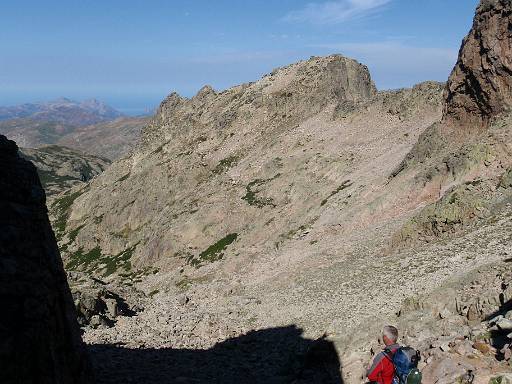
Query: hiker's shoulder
[(392, 348), (381, 355)]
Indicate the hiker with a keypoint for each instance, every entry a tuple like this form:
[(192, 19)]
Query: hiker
[(395, 364), (382, 370)]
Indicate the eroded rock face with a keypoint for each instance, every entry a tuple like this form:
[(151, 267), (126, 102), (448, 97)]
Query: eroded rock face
[(39, 335), (480, 86), (252, 167), (288, 95)]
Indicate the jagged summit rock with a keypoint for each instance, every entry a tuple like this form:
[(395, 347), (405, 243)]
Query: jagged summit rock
[(288, 95), (39, 335), (205, 91), (480, 86)]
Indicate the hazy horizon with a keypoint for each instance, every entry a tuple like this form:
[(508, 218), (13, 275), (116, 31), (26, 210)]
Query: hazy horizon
[(131, 55)]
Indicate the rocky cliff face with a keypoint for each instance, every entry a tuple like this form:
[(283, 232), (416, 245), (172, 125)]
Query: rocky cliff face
[(480, 86), (39, 335), (244, 171), (285, 97), (461, 160)]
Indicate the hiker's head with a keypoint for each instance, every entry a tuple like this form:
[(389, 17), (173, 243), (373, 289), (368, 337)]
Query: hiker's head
[(389, 335)]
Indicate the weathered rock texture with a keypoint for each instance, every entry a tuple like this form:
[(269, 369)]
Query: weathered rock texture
[(244, 171), (287, 96), (462, 160), (39, 336), (480, 86)]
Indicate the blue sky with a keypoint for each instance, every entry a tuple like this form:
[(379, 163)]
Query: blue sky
[(132, 53)]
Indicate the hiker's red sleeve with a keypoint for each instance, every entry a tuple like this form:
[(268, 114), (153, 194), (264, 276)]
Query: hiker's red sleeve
[(382, 370), (374, 373)]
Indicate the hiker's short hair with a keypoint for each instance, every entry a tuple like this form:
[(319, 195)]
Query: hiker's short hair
[(391, 333)]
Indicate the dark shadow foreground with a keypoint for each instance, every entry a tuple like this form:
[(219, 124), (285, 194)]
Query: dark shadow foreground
[(499, 339), (270, 356)]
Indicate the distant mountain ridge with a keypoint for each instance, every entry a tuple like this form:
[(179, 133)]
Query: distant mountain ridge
[(91, 126), (63, 110), (111, 139)]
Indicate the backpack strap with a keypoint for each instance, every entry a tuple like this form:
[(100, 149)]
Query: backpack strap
[(389, 353)]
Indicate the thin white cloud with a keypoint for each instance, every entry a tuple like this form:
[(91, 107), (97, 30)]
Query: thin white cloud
[(334, 12)]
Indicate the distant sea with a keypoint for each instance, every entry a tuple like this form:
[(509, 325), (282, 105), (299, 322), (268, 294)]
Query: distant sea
[(136, 111)]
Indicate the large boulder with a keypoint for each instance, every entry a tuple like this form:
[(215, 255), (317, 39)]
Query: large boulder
[(480, 86), (39, 334)]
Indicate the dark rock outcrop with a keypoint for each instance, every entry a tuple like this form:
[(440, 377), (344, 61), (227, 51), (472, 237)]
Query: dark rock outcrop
[(96, 304), (39, 335), (480, 86)]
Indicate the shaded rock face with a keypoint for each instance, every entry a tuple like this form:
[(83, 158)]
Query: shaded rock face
[(96, 305), (480, 86), (39, 335)]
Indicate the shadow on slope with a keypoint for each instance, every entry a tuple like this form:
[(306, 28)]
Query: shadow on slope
[(276, 355), (499, 337)]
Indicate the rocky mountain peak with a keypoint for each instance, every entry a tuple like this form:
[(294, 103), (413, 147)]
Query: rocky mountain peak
[(286, 96), (480, 86), (205, 92), (170, 103)]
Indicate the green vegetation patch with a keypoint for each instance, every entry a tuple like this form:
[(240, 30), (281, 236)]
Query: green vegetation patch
[(61, 207), (98, 219), (119, 261), (187, 282), (346, 184), (96, 262), (495, 380), (184, 283), (80, 260), (226, 164), (136, 276), (214, 252), (74, 233), (252, 189), (48, 178)]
